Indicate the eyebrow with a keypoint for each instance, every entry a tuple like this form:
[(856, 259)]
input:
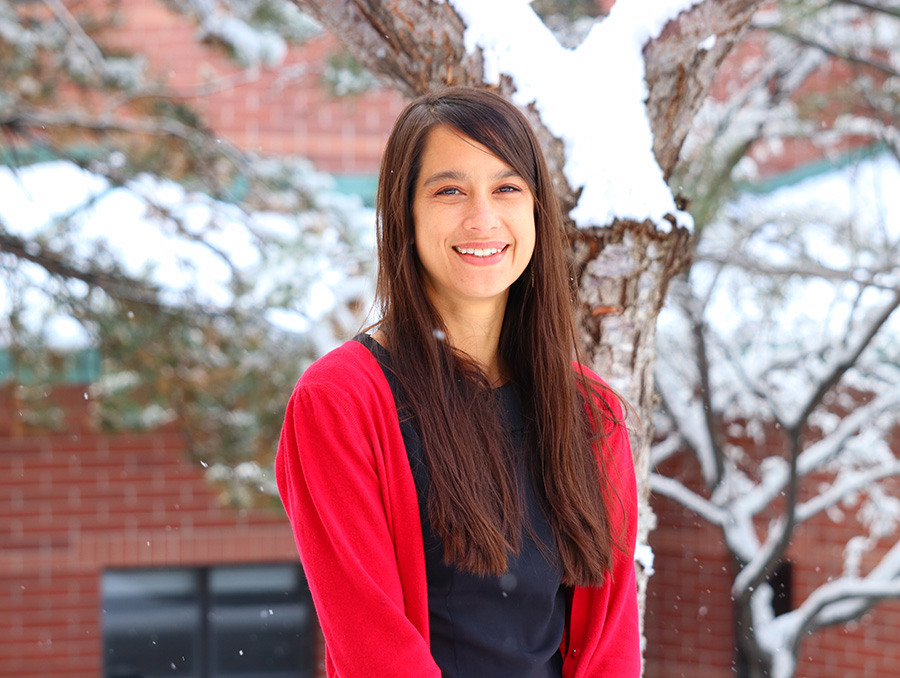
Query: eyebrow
[(458, 175)]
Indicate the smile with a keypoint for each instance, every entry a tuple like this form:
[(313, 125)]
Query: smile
[(484, 252)]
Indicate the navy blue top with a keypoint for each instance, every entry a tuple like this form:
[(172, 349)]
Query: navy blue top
[(497, 627)]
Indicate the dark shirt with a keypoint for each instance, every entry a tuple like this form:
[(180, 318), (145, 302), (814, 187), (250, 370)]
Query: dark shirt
[(497, 627)]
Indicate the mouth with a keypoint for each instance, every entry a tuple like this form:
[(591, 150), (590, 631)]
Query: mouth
[(480, 251)]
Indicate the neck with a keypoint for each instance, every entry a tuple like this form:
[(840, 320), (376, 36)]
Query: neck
[(475, 331)]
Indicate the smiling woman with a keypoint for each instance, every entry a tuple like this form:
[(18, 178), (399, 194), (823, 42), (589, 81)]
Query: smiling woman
[(461, 489)]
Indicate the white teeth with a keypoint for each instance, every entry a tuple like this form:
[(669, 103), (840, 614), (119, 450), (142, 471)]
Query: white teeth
[(478, 252)]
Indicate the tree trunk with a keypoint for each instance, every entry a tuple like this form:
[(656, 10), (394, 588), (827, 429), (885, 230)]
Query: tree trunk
[(624, 275), (623, 268)]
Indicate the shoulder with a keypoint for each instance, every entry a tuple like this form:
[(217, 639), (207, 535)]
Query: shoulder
[(349, 367), (350, 361), (348, 373)]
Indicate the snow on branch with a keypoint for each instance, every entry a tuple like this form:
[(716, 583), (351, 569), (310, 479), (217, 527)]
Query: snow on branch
[(762, 558), (691, 500), (883, 582), (845, 357), (834, 602), (816, 455), (237, 26), (595, 108), (845, 487), (692, 425), (815, 608), (663, 449)]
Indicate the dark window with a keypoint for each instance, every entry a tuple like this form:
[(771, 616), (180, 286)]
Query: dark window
[(217, 622), (782, 589)]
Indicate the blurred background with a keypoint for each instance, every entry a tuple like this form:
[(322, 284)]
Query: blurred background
[(186, 222)]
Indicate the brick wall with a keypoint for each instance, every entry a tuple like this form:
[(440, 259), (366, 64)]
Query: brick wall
[(283, 110), (73, 504)]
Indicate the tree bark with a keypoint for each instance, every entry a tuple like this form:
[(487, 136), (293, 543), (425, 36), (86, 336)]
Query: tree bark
[(623, 268)]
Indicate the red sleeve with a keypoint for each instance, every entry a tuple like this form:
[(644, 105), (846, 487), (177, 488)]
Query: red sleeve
[(604, 636), (331, 474)]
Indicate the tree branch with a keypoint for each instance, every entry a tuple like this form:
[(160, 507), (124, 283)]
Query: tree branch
[(807, 269), (82, 39), (830, 51), (843, 590), (887, 571), (890, 11), (840, 489), (842, 364), (672, 489), (698, 332), (817, 454), (38, 119)]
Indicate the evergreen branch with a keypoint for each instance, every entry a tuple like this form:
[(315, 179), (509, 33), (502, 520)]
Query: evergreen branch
[(117, 286), (82, 39), (42, 119)]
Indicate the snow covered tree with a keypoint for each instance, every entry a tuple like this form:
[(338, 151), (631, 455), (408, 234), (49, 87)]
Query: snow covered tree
[(783, 381), (204, 277)]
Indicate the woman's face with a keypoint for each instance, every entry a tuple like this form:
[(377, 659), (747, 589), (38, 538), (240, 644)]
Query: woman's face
[(474, 223)]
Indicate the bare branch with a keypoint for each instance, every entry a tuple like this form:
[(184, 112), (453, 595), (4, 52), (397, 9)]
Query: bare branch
[(698, 333), (845, 361), (842, 488), (817, 454), (830, 51), (806, 269), (890, 11), (673, 489)]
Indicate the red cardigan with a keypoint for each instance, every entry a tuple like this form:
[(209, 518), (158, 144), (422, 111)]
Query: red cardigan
[(345, 481)]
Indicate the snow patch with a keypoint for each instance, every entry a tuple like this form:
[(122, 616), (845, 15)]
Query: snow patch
[(708, 43), (643, 555)]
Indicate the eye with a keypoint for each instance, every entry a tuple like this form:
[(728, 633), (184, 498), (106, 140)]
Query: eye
[(509, 189), (450, 190)]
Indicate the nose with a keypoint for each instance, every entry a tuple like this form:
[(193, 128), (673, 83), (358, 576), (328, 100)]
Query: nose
[(481, 213)]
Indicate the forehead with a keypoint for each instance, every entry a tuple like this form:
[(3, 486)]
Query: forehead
[(446, 147)]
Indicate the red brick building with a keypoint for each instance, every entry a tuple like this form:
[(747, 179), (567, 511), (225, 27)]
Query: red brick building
[(89, 519), (107, 542)]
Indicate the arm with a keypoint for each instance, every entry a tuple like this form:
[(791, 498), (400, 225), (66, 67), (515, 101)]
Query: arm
[(604, 621), (331, 478)]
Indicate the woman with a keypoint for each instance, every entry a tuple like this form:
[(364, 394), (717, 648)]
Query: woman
[(462, 499)]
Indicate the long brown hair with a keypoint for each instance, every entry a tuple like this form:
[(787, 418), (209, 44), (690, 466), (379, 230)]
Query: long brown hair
[(474, 503)]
